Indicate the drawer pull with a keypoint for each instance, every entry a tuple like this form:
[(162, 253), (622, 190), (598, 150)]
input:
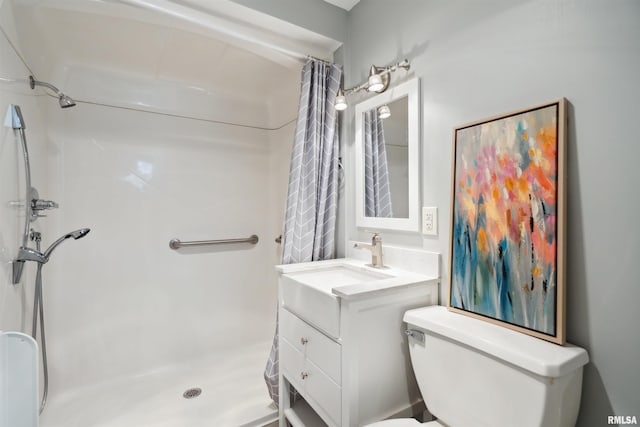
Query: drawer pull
[(303, 375), (304, 341)]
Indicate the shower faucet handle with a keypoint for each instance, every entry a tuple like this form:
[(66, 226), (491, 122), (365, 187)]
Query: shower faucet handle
[(40, 205)]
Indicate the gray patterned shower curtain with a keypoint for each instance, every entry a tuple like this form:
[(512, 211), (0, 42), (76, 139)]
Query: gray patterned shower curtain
[(377, 192), (310, 217)]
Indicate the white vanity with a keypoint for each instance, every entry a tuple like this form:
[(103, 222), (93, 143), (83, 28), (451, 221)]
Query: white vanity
[(341, 338), (342, 344)]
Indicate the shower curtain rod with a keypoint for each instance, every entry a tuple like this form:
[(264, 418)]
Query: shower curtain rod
[(319, 60), (8, 39), (180, 116), (26, 81), (143, 3)]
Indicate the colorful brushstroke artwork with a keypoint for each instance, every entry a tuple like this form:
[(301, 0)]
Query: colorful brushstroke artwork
[(507, 221)]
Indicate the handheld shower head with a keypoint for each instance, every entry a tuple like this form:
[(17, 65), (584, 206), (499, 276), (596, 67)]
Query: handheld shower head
[(77, 234), (63, 100)]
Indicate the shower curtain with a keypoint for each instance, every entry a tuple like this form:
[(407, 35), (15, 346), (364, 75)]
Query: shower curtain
[(310, 217), (376, 174)]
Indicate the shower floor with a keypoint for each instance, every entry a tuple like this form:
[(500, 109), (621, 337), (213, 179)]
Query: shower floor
[(233, 394)]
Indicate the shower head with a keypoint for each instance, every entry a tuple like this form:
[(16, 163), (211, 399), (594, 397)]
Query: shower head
[(77, 234), (63, 100)]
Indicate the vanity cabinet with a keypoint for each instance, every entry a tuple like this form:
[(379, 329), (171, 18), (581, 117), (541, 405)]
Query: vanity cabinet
[(342, 342)]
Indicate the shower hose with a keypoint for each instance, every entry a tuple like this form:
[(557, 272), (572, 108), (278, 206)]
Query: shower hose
[(38, 309)]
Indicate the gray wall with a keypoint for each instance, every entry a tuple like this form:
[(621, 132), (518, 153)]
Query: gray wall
[(479, 59)]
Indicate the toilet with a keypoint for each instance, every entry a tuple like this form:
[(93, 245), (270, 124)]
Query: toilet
[(475, 373), (18, 380)]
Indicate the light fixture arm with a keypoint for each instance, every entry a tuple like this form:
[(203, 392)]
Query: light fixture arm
[(390, 69), (382, 72)]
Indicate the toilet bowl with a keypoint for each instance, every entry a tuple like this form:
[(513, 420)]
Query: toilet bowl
[(475, 373)]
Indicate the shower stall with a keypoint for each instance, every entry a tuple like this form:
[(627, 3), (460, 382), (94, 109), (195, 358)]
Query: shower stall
[(180, 131)]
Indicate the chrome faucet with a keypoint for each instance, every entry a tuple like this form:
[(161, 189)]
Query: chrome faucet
[(28, 254), (39, 204), (376, 250)]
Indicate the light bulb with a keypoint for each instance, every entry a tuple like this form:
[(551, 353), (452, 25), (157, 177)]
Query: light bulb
[(384, 112), (341, 101), (375, 83)]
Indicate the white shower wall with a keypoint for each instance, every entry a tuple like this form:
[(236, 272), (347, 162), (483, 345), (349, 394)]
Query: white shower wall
[(119, 301), (175, 135)]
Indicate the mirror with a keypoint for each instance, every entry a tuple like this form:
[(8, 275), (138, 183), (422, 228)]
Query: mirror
[(387, 159)]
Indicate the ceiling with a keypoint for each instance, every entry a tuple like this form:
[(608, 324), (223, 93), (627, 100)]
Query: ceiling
[(344, 4)]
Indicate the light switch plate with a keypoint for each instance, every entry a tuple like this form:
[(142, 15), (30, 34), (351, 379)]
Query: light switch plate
[(430, 221)]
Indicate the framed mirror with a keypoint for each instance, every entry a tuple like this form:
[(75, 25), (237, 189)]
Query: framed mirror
[(387, 159)]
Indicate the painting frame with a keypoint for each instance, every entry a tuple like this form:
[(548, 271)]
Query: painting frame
[(487, 268)]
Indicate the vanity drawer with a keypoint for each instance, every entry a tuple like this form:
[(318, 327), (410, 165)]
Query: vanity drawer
[(324, 391), (291, 362), (317, 347), (313, 384)]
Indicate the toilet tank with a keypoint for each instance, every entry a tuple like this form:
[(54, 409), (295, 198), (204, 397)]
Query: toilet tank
[(475, 373)]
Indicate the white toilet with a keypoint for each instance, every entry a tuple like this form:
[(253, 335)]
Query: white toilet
[(18, 380), (476, 374)]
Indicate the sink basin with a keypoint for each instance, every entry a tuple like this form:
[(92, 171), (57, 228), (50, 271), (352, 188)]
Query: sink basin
[(314, 290), (328, 277), (308, 289)]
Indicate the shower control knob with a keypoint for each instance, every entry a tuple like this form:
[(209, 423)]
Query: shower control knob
[(303, 375), (303, 341), (39, 204)]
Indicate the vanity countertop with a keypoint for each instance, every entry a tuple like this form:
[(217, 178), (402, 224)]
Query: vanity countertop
[(350, 278)]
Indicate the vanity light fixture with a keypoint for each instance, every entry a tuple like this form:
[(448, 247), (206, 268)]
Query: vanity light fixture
[(378, 81), (384, 112), (341, 101)]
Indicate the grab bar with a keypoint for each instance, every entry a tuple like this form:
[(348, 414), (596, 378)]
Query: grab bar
[(177, 244), (17, 123)]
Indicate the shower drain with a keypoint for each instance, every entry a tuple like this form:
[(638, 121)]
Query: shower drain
[(192, 392)]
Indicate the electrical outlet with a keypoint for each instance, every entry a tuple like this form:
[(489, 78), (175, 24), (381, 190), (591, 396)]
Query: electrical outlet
[(430, 221)]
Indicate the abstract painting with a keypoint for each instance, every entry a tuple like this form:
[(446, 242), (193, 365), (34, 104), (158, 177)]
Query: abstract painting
[(508, 213)]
